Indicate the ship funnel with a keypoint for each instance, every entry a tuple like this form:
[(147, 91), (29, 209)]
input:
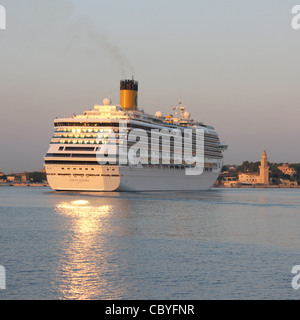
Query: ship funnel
[(129, 94)]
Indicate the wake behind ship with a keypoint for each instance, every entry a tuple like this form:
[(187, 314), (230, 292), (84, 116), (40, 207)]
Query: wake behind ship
[(90, 152)]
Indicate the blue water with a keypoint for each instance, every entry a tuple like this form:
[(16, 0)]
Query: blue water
[(220, 244)]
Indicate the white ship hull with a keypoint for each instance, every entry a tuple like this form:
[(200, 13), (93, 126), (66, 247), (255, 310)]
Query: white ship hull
[(114, 178)]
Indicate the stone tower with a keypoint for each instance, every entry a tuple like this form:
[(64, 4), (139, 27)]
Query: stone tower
[(264, 169)]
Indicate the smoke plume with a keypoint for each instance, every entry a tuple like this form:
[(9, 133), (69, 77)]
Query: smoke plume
[(95, 43)]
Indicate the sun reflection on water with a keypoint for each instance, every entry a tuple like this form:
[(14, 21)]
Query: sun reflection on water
[(84, 257)]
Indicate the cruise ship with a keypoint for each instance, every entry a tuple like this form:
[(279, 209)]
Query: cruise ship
[(123, 148)]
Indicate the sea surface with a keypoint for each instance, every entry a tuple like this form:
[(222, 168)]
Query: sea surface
[(219, 244)]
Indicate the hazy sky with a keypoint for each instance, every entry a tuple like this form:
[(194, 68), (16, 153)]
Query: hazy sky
[(235, 63)]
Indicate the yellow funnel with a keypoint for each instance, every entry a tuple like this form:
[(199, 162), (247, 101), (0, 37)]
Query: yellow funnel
[(129, 94)]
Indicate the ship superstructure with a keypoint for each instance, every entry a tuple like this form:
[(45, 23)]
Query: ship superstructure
[(121, 148)]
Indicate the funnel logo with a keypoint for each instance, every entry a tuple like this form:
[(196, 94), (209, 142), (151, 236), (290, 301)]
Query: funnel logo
[(2, 278), (2, 18)]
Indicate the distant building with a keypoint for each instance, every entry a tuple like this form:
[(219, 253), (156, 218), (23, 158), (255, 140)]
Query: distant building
[(286, 169), (255, 178), (288, 183), (10, 178), (17, 177), (230, 183), (264, 169), (21, 177), (251, 178)]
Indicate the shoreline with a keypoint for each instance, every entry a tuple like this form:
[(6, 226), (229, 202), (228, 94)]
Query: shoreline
[(4, 184), (256, 187), (10, 184)]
